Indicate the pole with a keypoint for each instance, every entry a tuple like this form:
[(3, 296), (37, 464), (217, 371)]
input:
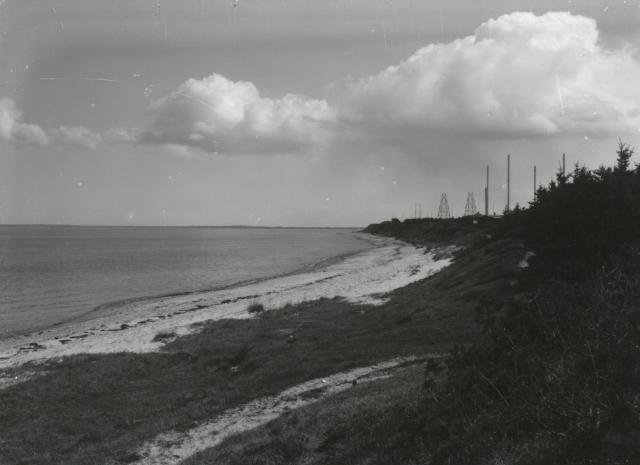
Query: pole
[(486, 195), (563, 164), (535, 185), (508, 182)]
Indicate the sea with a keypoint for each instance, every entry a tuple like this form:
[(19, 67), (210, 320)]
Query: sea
[(55, 274)]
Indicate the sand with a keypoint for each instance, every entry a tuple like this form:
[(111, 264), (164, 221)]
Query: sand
[(361, 278)]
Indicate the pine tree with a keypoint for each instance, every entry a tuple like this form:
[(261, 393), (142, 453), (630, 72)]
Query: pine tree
[(625, 152)]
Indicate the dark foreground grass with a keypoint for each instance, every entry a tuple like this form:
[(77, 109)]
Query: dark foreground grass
[(368, 424), (100, 408)]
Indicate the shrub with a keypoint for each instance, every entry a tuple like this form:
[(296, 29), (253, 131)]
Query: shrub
[(255, 308), (164, 336)]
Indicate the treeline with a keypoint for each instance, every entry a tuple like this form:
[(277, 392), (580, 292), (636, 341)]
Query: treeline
[(556, 379), (579, 220)]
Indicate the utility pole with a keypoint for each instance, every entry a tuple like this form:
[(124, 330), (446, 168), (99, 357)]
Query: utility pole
[(535, 183), (486, 195), (563, 165), (508, 182)]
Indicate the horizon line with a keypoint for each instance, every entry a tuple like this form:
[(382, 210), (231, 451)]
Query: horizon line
[(229, 226)]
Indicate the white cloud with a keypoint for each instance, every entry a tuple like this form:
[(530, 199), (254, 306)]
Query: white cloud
[(519, 74), (12, 129), (76, 135), (220, 115), (121, 135)]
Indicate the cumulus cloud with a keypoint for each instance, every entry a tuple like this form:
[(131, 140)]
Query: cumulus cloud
[(12, 129), (519, 74), (121, 135), (220, 115), (76, 135)]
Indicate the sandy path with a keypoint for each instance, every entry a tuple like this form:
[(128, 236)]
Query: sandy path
[(362, 278), (173, 447)]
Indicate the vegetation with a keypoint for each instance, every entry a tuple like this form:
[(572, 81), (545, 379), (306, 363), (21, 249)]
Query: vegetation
[(255, 308), (583, 218), (164, 336)]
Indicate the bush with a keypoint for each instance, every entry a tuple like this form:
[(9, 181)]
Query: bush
[(164, 336), (255, 308)]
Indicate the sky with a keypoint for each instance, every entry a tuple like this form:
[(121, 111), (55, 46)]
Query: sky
[(303, 113)]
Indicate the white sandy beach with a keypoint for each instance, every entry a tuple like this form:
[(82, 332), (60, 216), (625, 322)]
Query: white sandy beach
[(362, 278)]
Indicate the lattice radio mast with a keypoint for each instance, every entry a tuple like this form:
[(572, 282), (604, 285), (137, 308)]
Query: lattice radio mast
[(443, 209), (470, 207)]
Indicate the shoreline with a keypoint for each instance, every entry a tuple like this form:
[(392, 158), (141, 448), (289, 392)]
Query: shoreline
[(103, 309), (311, 267), (133, 326)]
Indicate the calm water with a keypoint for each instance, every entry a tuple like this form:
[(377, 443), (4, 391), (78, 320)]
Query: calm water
[(50, 274)]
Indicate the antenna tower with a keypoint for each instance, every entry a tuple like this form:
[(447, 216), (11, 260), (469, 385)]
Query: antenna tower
[(443, 209), (470, 207)]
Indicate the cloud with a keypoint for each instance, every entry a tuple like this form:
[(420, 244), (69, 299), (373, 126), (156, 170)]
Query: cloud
[(12, 129), (121, 135), (76, 135), (220, 115), (517, 75)]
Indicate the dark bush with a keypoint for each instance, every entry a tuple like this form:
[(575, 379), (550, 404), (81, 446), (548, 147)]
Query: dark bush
[(255, 308)]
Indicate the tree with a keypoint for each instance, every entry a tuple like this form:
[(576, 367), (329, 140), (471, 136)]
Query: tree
[(625, 152)]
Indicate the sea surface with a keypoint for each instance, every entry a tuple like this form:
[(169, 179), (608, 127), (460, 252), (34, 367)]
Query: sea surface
[(54, 274)]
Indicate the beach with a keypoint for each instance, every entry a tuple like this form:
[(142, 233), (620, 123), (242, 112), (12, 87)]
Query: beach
[(146, 325), (172, 378)]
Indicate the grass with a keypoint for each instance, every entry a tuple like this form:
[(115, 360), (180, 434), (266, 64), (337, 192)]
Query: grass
[(340, 429), (100, 408)]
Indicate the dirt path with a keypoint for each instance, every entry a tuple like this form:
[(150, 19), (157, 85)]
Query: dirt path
[(173, 447)]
